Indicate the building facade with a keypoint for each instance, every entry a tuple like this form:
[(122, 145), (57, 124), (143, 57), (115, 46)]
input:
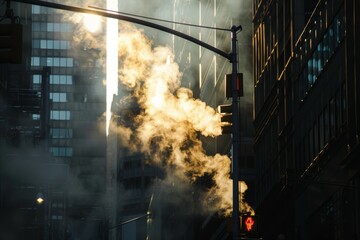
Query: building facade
[(73, 142), (306, 119)]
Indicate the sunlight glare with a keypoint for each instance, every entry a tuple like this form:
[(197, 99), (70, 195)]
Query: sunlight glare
[(111, 60), (92, 22)]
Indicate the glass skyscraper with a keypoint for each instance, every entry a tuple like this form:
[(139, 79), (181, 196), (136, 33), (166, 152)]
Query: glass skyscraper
[(72, 153)]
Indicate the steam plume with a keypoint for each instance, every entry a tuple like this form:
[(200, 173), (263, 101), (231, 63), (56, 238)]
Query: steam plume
[(170, 119)]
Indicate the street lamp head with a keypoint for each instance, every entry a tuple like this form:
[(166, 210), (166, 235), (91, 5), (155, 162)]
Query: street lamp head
[(40, 198), (236, 28)]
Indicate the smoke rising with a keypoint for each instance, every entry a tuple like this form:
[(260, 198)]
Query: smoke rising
[(170, 120)]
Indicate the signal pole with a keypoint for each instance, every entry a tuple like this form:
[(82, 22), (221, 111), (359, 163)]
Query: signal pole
[(235, 133)]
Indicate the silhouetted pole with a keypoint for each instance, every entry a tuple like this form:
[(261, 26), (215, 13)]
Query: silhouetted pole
[(235, 133)]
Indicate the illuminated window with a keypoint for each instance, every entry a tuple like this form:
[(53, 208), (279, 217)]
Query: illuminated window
[(35, 61), (35, 116), (61, 79), (59, 62), (58, 27), (61, 133), (36, 79), (58, 97), (60, 115), (35, 9), (54, 44), (61, 151)]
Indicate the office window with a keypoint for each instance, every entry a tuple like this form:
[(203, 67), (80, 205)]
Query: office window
[(35, 26), (61, 133), (339, 25), (58, 27), (36, 43), (326, 47), (61, 79), (36, 79), (59, 62), (56, 217), (54, 44), (58, 97), (35, 9), (320, 58), (35, 61), (310, 73), (60, 115), (331, 38), (54, 79), (61, 151), (35, 116), (52, 61)]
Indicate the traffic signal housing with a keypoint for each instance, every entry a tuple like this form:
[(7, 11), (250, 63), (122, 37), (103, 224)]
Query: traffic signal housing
[(226, 118), (239, 85)]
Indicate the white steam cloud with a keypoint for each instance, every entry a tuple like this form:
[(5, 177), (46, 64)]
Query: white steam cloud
[(170, 119)]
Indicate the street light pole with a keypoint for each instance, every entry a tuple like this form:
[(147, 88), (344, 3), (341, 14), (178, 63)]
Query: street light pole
[(235, 97)]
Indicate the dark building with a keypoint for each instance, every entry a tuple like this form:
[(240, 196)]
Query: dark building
[(53, 140), (306, 119)]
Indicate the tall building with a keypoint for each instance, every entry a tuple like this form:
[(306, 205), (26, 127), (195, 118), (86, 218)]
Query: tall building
[(306, 118), (77, 132), (73, 150)]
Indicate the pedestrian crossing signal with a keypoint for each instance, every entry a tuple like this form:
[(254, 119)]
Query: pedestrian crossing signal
[(249, 224)]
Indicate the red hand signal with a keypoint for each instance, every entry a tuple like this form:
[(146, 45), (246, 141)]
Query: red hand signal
[(249, 223)]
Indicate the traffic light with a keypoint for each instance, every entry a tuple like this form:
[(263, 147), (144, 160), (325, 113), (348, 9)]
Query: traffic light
[(226, 118), (239, 85), (249, 225), (10, 43)]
